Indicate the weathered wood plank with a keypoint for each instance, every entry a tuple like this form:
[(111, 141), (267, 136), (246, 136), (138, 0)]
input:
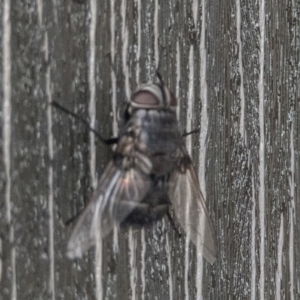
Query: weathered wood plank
[(234, 66)]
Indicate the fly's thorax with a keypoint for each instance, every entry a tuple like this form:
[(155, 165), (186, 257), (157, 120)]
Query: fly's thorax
[(160, 134), (156, 127)]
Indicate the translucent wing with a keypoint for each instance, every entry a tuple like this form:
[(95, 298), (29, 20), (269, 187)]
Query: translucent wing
[(190, 208), (127, 186)]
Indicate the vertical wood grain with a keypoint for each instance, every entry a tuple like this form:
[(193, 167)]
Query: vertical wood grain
[(234, 66)]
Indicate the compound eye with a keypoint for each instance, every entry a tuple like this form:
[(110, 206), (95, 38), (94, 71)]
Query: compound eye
[(145, 99), (173, 102)]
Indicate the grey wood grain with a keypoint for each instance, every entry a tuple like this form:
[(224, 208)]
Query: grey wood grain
[(234, 66)]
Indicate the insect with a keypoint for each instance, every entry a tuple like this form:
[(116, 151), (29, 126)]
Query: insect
[(149, 174)]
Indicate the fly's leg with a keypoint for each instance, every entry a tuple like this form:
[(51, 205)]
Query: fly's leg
[(190, 132), (143, 214), (171, 219), (109, 141), (72, 219)]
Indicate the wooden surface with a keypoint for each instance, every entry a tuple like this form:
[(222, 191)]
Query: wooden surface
[(234, 66)]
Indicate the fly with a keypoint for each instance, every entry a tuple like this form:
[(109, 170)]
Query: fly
[(149, 174)]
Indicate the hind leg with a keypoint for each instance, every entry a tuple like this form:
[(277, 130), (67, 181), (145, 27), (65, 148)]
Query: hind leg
[(153, 207)]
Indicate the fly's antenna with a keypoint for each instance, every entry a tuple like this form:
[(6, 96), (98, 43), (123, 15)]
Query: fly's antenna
[(86, 123), (162, 86), (159, 78)]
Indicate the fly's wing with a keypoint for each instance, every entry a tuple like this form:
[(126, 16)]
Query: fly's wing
[(190, 209), (116, 185)]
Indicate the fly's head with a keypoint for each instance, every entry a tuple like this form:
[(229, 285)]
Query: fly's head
[(152, 96)]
